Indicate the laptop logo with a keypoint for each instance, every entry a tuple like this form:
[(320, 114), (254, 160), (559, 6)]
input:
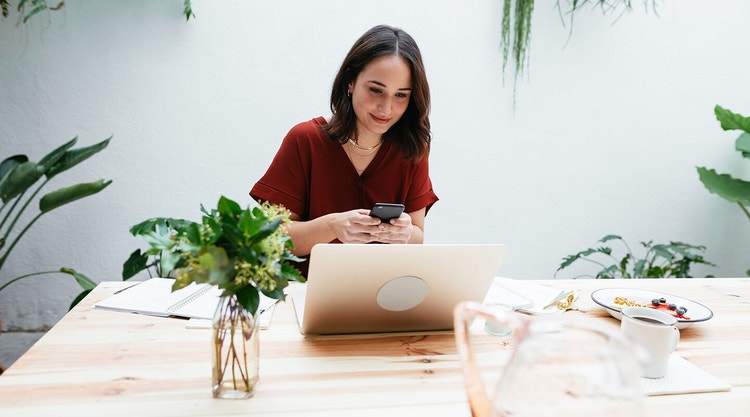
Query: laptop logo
[(402, 293)]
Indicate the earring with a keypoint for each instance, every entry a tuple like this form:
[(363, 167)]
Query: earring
[(349, 93)]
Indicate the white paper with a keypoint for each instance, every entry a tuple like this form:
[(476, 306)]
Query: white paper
[(155, 297)]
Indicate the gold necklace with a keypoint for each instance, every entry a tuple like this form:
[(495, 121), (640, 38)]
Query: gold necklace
[(364, 148)]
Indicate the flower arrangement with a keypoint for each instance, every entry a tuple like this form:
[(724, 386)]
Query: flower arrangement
[(241, 251)]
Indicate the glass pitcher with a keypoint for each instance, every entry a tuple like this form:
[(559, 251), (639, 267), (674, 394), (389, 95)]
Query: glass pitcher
[(556, 367)]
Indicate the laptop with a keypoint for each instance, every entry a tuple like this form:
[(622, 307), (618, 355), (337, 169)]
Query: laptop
[(372, 288)]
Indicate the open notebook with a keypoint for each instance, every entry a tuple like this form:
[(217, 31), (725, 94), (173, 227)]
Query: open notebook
[(196, 302)]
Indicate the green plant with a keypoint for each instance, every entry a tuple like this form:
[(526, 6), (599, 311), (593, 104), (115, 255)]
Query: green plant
[(660, 260), (725, 186), (158, 260), (37, 6), (242, 251), (515, 33), (18, 175)]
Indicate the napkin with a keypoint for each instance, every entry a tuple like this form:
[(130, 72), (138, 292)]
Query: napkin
[(683, 377), (525, 295)]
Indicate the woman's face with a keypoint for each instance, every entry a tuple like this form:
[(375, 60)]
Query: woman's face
[(380, 95)]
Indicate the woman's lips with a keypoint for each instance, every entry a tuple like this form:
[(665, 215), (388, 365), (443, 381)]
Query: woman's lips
[(380, 119)]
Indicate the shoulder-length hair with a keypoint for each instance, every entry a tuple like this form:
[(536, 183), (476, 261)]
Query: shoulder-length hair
[(411, 134)]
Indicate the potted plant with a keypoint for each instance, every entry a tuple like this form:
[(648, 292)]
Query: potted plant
[(17, 177), (241, 251), (725, 186), (673, 259)]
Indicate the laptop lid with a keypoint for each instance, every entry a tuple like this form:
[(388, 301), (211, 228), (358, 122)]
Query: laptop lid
[(366, 288)]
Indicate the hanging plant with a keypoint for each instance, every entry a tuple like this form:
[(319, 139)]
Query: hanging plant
[(29, 8), (515, 33)]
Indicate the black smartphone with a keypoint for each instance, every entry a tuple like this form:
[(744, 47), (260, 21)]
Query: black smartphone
[(386, 211)]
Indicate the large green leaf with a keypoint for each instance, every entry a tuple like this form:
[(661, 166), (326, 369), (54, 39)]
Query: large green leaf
[(136, 263), (19, 179), (67, 195), (725, 186), (160, 225), (85, 282), (732, 121), (76, 156), (51, 158), (743, 144), (9, 163)]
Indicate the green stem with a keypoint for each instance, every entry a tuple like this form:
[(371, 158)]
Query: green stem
[(745, 210), (20, 235), (18, 216), (7, 215), (26, 276)]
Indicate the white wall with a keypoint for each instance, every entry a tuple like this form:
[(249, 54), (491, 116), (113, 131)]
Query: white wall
[(605, 137)]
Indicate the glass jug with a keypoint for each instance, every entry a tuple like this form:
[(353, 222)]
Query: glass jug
[(556, 367)]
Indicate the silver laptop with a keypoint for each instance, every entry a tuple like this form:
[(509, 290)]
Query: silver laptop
[(358, 288)]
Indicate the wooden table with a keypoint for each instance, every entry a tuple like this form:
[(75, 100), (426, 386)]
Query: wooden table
[(96, 362)]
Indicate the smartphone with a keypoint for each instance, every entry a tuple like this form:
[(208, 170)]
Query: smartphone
[(386, 211)]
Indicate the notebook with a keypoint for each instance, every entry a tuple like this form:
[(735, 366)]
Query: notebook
[(365, 288), (196, 302)]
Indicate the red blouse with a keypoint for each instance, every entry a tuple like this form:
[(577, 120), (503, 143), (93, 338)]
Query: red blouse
[(311, 175)]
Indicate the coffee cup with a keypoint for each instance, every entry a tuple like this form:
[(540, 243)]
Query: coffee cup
[(655, 332)]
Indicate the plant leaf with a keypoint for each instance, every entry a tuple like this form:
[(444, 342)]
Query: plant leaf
[(249, 298), (725, 186), (9, 163), (19, 179), (51, 158), (743, 144), (731, 121), (610, 237), (78, 298), (67, 195), (160, 225), (136, 263), (74, 157), (85, 282)]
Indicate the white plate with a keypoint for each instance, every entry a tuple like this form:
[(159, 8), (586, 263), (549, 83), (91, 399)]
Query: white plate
[(606, 297)]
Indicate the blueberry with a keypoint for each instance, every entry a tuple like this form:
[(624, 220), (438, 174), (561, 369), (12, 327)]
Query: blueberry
[(662, 300), (672, 306), (681, 310), (655, 302)]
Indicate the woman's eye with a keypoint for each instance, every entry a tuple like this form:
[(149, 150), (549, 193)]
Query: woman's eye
[(376, 90)]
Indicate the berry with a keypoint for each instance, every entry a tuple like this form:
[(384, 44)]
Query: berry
[(655, 302), (672, 306), (681, 310)]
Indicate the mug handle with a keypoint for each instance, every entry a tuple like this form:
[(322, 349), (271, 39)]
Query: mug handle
[(675, 338)]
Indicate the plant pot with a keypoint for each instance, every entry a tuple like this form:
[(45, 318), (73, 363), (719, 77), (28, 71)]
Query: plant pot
[(235, 350)]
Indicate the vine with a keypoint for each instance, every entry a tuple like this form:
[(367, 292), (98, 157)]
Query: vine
[(515, 35), (30, 8)]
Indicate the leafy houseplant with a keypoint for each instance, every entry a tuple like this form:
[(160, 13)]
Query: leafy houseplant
[(17, 176), (660, 260), (241, 251), (38, 6), (515, 32), (725, 186)]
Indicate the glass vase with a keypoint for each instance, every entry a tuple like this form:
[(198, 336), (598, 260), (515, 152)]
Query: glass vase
[(235, 350)]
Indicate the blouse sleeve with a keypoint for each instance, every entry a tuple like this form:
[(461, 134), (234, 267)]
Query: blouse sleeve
[(287, 178)]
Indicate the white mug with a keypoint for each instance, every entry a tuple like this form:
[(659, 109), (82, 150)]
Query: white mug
[(656, 332)]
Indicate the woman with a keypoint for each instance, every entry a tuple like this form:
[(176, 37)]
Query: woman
[(373, 149)]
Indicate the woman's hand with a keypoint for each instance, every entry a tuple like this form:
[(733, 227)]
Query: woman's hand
[(398, 230), (355, 226)]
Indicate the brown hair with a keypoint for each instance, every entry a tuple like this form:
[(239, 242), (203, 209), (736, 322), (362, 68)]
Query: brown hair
[(411, 134)]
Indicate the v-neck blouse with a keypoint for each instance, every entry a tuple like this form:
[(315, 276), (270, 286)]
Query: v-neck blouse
[(312, 176)]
